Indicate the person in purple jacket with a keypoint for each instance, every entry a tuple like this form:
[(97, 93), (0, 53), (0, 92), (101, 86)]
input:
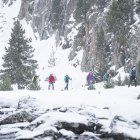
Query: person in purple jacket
[(90, 78), (90, 81)]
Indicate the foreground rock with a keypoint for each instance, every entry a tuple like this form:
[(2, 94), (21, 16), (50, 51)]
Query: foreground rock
[(29, 121), (22, 116)]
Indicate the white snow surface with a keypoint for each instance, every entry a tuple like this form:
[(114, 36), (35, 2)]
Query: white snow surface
[(121, 101)]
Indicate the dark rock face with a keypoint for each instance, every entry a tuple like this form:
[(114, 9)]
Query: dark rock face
[(79, 128), (18, 117), (50, 17), (115, 137), (7, 136), (27, 9)]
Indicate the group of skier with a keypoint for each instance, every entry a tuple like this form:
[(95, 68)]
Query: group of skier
[(51, 80), (90, 79)]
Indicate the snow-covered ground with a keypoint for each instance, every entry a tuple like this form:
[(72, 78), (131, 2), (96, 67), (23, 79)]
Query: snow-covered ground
[(105, 104)]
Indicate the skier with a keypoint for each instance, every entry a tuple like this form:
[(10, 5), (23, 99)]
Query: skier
[(107, 76), (90, 80), (35, 81), (132, 76), (66, 79), (51, 80)]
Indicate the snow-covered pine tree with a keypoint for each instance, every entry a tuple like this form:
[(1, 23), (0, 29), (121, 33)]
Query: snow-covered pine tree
[(138, 73), (102, 52), (55, 18), (119, 19), (126, 80), (138, 6), (18, 62), (109, 84), (51, 61), (119, 82)]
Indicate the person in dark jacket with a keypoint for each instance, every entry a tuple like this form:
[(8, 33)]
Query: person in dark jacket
[(51, 81), (107, 76), (132, 76), (66, 79)]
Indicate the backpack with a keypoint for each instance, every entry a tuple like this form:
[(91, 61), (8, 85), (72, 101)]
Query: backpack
[(34, 79), (133, 72), (66, 79), (106, 77)]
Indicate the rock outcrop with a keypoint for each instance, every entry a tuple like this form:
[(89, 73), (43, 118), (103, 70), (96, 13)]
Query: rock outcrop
[(57, 17)]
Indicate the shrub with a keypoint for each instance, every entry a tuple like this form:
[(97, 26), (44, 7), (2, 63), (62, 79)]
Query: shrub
[(126, 80), (5, 84), (119, 82), (109, 84), (32, 86)]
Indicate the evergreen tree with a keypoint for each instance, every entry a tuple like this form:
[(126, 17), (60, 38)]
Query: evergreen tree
[(138, 6), (79, 38), (119, 82), (52, 60), (80, 13), (118, 15), (126, 80), (102, 51), (101, 4), (82, 8), (138, 73), (119, 18), (56, 14), (131, 3), (101, 43), (18, 62)]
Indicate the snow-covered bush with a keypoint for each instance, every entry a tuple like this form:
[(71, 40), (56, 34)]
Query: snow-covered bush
[(32, 86), (109, 84), (126, 80), (119, 82), (5, 84)]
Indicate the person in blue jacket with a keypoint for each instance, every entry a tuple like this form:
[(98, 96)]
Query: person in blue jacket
[(66, 79)]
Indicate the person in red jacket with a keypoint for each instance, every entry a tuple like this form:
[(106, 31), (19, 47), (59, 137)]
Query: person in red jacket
[(51, 81)]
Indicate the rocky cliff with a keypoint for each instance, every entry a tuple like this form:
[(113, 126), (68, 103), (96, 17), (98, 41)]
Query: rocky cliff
[(82, 25)]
